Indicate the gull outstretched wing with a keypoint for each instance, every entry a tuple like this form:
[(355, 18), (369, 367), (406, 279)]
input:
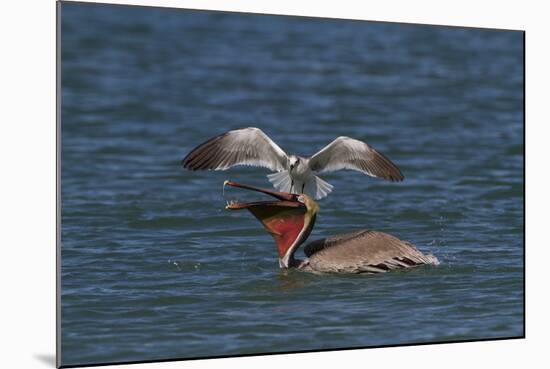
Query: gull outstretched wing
[(349, 153), (247, 146)]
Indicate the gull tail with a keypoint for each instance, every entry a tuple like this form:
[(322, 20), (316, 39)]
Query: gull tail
[(281, 181), (317, 188), (314, 187)]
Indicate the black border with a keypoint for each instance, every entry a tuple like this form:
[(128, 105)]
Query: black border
[(58, 184), (524, 190), (58, 194), (285, 352)]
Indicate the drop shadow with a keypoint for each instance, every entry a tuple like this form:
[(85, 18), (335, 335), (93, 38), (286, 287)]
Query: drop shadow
[(47, 359)]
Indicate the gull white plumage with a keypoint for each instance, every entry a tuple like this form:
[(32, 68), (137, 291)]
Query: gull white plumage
[(293, 173)]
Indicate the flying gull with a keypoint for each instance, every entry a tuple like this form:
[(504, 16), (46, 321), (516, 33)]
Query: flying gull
[(294, 174)]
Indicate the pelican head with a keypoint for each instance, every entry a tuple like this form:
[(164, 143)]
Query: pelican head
[(289, 219)]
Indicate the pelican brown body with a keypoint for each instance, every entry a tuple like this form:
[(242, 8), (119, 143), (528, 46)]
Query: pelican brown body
[(291, 219)]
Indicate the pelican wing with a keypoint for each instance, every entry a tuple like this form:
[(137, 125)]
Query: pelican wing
[(348, 153), (364, 252), (247, 146)]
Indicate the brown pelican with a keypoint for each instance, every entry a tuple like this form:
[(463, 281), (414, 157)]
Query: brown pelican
[(295, 174), (290, 220)]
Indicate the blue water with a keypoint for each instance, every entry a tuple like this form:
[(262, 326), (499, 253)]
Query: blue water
[(154, 268)]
